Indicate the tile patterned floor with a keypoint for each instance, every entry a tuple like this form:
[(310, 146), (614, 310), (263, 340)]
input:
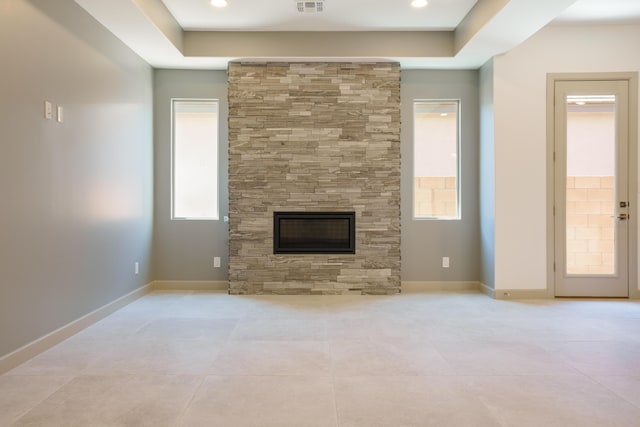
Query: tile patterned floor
[(417, 359)]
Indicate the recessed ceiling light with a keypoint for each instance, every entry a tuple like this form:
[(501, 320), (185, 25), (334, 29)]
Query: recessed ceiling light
[(419, 3), (219, 3)]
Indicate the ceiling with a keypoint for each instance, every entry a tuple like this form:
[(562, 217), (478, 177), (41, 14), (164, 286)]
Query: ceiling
[(588, 12), (453, 34), (338, 15)]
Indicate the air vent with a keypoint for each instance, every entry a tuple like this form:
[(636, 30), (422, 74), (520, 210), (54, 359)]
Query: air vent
[(310, 6)]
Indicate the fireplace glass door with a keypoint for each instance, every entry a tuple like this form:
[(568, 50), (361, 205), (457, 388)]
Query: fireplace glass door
[(314, 232)]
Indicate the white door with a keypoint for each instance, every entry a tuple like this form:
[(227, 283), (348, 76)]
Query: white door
[(591, 134)]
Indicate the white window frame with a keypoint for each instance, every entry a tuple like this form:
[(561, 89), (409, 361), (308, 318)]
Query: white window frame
[(458, 216), (217, 165)]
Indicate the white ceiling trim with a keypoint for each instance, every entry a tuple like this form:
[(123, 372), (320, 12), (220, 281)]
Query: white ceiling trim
[(491, 27)]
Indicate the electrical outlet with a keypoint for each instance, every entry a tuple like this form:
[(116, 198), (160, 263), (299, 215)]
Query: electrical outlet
[(445, 262), (216, 262), (136, 267), (48, 110)]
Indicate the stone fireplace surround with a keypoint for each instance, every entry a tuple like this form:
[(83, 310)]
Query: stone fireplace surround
[(319, 136)]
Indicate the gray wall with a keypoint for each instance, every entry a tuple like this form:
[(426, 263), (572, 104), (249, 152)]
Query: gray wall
[(425, 242), (76, 196), (184, 250), (487, 176)]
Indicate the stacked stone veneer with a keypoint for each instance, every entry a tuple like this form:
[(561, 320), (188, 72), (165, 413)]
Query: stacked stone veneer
[(314, 137)]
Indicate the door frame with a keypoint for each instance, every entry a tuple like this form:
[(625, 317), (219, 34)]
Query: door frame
[(632, 79)]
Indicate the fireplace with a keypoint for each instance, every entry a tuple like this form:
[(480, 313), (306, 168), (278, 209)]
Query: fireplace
[(314, 233), (329, 142)]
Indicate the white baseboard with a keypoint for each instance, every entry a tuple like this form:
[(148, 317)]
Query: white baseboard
[(408, 286), (435, 286), (190, 285), (507, 294), (487, 290), (516, 293), (28, 351), (521, 294)]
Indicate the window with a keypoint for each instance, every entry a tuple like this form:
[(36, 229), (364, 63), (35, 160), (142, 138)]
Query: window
[(436, 185), (194, 191)]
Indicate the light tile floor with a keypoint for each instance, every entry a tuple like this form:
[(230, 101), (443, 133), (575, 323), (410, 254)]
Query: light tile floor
[(416, 359)]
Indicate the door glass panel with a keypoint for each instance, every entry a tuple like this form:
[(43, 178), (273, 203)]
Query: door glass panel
[(590, 193)]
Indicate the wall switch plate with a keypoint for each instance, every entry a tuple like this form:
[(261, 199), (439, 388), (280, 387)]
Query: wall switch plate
[(48, 110), (445, 262), (216, 262), (136, 267), (60, 113)]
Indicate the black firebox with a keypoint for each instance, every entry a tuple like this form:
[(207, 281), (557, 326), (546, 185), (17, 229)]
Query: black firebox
[(314, 233)]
